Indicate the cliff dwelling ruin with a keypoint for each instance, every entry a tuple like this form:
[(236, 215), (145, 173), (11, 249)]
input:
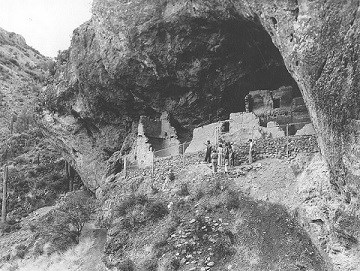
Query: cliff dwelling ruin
[(145, 84), (207, 100), (273, 114)]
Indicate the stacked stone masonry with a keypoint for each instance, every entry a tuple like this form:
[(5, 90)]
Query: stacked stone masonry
[(281, 148), (263, 148), (155, 138)]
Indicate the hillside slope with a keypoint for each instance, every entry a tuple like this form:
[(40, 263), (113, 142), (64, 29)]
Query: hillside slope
[(36, 174), (251, 219), (273, 215), (23, 72)]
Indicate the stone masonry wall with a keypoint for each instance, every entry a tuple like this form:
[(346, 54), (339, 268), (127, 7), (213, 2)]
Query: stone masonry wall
[(242, 127), (276, 148), (201, 135), (155, 135), (144, 154)]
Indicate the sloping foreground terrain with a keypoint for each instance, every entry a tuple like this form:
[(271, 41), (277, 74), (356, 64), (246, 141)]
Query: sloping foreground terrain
[(273, 215)]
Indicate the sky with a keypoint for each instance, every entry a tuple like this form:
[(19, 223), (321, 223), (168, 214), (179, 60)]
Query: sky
[(46, 25)]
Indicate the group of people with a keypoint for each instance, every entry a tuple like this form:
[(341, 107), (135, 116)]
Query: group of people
[(223, 155)]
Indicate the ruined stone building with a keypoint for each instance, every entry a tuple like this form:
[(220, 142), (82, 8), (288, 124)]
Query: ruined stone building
[(156, 137), (273, 114), (282, 106)]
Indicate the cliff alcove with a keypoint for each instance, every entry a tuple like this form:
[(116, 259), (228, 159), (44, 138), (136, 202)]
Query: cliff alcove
[(142, 75), (196, 60)]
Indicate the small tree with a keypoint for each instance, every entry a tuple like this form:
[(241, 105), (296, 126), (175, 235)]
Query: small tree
[(63, 226)]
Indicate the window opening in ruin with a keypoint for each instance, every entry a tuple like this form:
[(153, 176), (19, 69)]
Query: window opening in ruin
[(276, 103), (292, 130), (225, 127)]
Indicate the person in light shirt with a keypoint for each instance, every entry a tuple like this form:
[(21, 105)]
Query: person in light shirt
[(251, 146), (220, 151), (214, 160)]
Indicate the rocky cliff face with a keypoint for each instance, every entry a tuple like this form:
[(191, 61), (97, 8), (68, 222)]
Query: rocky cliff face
[(197, 60), (22, 73)]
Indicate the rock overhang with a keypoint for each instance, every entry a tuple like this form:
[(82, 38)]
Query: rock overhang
[(140, 57)]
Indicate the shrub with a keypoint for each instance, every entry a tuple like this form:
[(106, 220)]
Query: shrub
[(38, 249), (150, 265), (183, 191), (129, 202), (20, 251), (174, 264), (10, 225), (232, 200), (156, 210), (126, 265), (223, 249), (199, 194), (171, 175), (154, 189), (130, 223), (117, 243), (62, 227)]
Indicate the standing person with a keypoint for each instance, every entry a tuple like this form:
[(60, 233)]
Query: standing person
[(232, 156), (220, 155), (208, 152), (214, 160), (251, 146), (226, 156)]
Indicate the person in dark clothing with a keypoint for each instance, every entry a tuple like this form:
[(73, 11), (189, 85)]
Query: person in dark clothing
[(208, 152), (227, 156), (231, 155), (232, 158)]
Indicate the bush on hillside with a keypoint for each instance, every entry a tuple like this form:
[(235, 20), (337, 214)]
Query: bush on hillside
[(128, 202), (19, 251), (156, 210), (62, 227), (171, 175), (126, 265), (136, 211), (183, 190), (150, 264), (232, 200)]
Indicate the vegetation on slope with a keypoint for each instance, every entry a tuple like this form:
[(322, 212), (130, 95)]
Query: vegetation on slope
[(196, 220), (36, 169)]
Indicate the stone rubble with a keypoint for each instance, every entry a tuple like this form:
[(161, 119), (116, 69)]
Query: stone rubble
[(195, 241)]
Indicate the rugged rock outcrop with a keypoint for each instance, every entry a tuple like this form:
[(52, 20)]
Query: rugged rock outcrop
[(22, 72), (197, 60)]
